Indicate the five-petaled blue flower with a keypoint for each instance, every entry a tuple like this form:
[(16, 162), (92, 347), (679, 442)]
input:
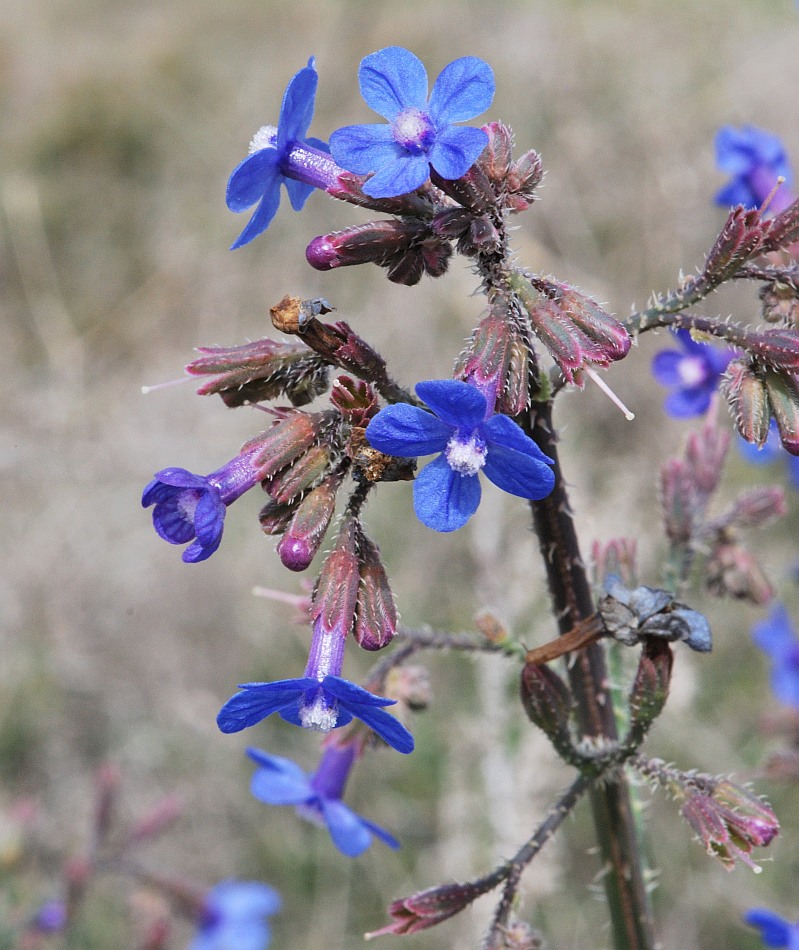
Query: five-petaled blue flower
[(420, 132), (283, 154), (774, 931), (776, 636), (233, 916), (317, 798), (755, 159), (771, 451), (189, 506), (693, 374), (446, 492), (315, 704)]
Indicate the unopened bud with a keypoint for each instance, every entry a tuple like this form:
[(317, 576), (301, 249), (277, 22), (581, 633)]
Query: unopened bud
[(376, 621), (375, 242), (300, 476), (157, 820), (678, 501), (336, 594), (617, 557), (705, 453), (430, 907), (491, 627), (650, 688), (305, 531), (746, 395), (783, 230), (107, 781), (783, 397), (548, 703), (778, 347), (289, 438), (484, 363), (759, 506), (603, 330), (274, 518), (515, 397), (737, 242), (473, 190), (523, 178), (780, 303), (496, 157), (354, 399), (732, 571)]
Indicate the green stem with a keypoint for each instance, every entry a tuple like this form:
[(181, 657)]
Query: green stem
[(629, 904)]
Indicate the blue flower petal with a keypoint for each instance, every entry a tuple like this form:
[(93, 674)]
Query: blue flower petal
[(382, 834), (277, 764), (296, 110), (456, 150), (405, 174), (666, 367), (363, 148), (392, 79), (261, 220), (298, 192), (735, 193), (181, 478), (501, 430), (171, 524), (785, 684), (517, 473), (464, 89), (774, 931), (775, 635), (346, 828), (685, 403), (157, 493), (407, 431), (454, 402), (253, 178), (278, 788), (209, 518), (442, 499), (259, 700), (242, 898)]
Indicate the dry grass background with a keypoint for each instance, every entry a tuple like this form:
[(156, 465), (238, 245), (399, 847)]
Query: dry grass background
[(119, 125)]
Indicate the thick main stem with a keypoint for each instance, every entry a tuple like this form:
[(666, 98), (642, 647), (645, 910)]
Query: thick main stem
[(572, 602)]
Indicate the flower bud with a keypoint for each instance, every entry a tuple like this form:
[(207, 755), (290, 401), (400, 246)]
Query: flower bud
[(779, 348), (705, 453), (783, 229), (107, 781), (732, 571), (153, 823), (783, 397), (472, 191), (737, 242), (306, 529), (376, 620), (485, 361), (759, 506), (336, 594), (746, 395), (523, 178), (515, 397), (300, 476), (548, 703), (264, 369), (430, 907), (275, 518), (375, 242), (650, 688), (292, 435), (678, 501), (496, 157), (780, 303), (618, 557), (603, 330)]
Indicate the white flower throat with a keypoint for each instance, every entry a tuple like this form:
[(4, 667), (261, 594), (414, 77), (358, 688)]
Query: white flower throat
[(466, 456)]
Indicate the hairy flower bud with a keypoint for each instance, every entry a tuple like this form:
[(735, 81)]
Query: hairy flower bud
[(374, 242), (306, 529), (274, 518), (430, 907), (336, 593), (524, 177), (303, 473), (291, 436), (748, 401), (759, 506), (783, 397), (496, 158), (780, 303), (783, 229), (678, 501), (650, 688), (738, 241), (485, 361), (264, 369), (548, 703), (472, 191), (376, 620), (779, 348), (732, 571), (705, 452)]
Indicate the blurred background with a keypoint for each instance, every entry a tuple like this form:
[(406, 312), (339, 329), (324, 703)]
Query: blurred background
[(120, 124)]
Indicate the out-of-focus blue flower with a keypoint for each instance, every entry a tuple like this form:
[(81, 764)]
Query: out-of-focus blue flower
[(420, 133), (755, 159), (774, 931), (692, 373), (282, 154), (317, 797), (234, 917), (50, 918), (777, 637), (189, 506), (447, 491), (320, 705), (771, 452)]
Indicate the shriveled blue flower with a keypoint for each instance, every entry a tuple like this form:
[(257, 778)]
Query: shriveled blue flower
[(777, 637), (314, 704), (317, 797), (189, 507), (693, 374), (282, 154), (447, 491), (233, 917), (755, 159), (771, 452), (420, 132), (774, 931)]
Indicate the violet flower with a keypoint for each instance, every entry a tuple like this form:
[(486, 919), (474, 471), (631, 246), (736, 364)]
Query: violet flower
[(774, 931), (446, 492), (777, 637), (189, 506), (282, 155), (50, 918), (234, 915), (755, 159), (693, 374), (420, 132), (317, 797)]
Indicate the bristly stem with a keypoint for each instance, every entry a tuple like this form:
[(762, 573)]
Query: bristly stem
[(628, 900)]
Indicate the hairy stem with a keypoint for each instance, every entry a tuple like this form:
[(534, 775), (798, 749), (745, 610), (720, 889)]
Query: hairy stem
[(630, 910)]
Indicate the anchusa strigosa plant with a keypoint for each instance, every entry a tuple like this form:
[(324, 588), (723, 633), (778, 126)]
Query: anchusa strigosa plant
[(341, 426)]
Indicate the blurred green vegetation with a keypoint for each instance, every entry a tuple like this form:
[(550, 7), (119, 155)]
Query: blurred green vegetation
[(120, 124)]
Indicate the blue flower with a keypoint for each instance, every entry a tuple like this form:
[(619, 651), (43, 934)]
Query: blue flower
[(315, 704), (755, 159), (776, 636), (189, 506), (282, 154), (446, 492), (50, 918), (420, 132), (774, 931), (771, 451), (317, 798), (694, 375), (233, 916)]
